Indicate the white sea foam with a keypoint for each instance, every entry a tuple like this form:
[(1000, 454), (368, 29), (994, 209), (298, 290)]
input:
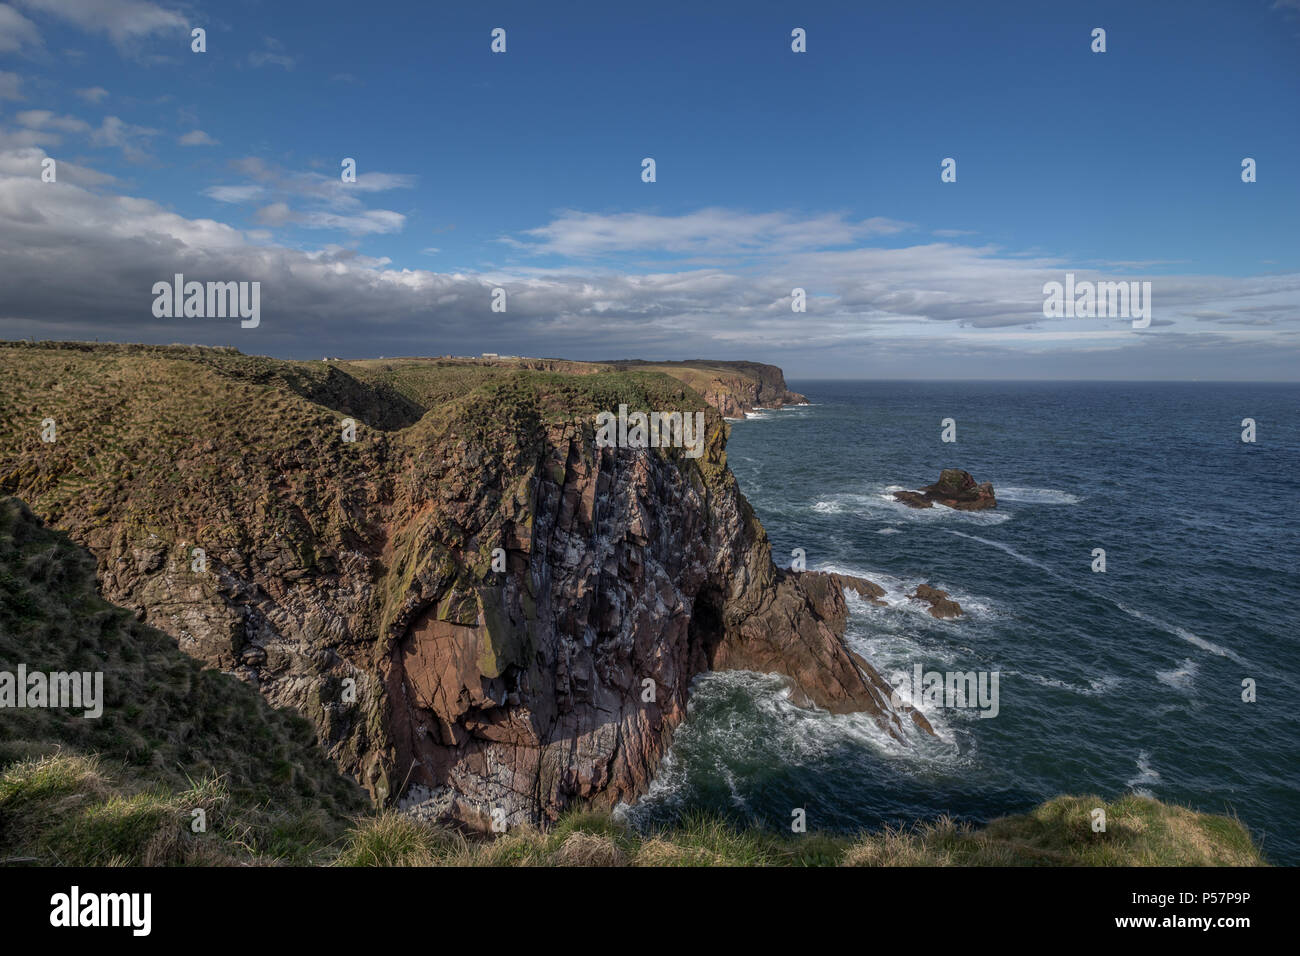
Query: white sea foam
[(1174, 629), (1180, 677), (897, 590), (881, 505), (785, 733), (808, 734), (1037, 496), (1185, 634), (1002, 547), (1147, 776), (1096, 687), (888, 531)]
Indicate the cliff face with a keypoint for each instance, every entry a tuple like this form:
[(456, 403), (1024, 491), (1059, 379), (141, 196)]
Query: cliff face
[(165, 720), (360, 582), (733, 388)]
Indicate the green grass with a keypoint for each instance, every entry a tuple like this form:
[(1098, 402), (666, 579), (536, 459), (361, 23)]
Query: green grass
[(1140, 832), (70, 810)]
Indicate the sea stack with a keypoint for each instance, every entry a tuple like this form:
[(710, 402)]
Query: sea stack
[(954, 489)]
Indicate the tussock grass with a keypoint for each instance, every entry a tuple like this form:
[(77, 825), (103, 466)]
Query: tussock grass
[(69, 809), (1140, 832)]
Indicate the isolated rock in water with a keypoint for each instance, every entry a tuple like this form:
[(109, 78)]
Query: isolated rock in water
[(940, 604), (954, 489)]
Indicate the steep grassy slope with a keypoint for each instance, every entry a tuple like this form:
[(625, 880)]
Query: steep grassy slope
[(178, 737)]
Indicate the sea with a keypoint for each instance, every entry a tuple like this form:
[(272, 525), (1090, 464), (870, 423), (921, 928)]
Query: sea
[(1136, 678)]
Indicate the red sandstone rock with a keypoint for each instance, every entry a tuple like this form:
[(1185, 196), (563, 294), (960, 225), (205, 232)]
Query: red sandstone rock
[(954, 489), (940, 605)]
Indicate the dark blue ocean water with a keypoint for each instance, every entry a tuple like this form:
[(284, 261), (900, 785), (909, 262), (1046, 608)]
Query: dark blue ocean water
[(1108, 682)]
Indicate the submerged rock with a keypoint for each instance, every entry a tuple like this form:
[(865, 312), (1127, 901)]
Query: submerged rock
[(954, 489)]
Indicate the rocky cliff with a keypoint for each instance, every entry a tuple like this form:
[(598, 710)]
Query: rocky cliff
[(733, 388), (486, 618)]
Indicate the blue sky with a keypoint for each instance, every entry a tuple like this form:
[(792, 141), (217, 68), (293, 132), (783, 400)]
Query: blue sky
[(522, 170)]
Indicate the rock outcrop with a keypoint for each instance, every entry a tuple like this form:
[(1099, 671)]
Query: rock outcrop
[(954, 489), (868, 590), (941, 606), (486, 617)]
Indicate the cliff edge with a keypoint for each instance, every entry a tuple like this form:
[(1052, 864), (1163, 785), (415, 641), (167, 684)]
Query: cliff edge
[(486, 617)]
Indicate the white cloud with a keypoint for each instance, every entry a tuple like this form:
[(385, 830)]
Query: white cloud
[(260, 58), (376, 182), (276, 214), (234, 194), (314, 200), (22, 138), (19, 158), (46, 119), (121, 20), (196, 137), (16, 31), (272, 55), (933, 306), (125, 136), (367, 222), (706, 232), (93, 94), (44, 127)]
